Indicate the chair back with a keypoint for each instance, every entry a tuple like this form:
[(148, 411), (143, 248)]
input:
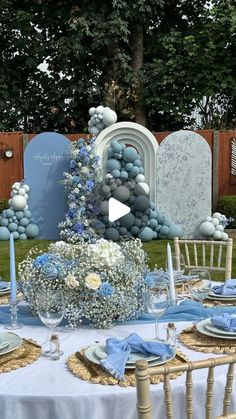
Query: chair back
[(213, 255), (143, 372)]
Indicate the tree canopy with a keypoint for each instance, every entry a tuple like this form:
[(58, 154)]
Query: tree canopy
[(153, 61)]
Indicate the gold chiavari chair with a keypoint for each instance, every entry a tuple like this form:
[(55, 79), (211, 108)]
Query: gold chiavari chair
[(213, 255), (143, 371)]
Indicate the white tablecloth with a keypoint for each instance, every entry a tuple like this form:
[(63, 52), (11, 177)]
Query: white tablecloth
[(48, 390)]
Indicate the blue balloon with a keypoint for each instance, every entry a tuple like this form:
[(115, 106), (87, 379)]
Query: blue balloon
[(128, 166), (123, 174), (175, 230), (32, 231), (130, 154), (115, 173), (110, 153), (141, 203), (21, 229), (127, 220), (137, 222), (15, 235), (164, 230), (112, 234), (134, 230), (27, 214), (137, 163), (146, 234), (141, 170), (160, 218), (10, 213), (24, 222), (12, 227), (23, 236), (4, 222), (134, 171), (116, 147), (123, 231), (113, 164), (122, 193), (153, 214), (4, 234), (19, 215), (153, 223)]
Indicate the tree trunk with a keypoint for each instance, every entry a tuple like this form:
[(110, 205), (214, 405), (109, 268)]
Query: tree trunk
[(136, 45)]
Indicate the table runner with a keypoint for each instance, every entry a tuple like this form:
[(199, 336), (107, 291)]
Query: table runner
[(185, 311)]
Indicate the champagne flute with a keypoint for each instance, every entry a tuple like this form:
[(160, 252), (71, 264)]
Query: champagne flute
[(157, 301), (200, 291), (50, 308)]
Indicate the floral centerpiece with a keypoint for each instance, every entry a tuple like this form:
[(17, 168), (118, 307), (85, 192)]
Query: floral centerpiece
[(102, 282)]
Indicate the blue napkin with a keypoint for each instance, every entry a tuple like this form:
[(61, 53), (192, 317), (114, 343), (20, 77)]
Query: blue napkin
[(225, 321), (228, 288), (118, 351)]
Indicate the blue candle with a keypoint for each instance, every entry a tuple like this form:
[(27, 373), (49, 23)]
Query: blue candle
[(12, 269)]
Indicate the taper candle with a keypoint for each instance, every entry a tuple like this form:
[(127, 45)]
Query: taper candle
[(12, 268), (171, 277)]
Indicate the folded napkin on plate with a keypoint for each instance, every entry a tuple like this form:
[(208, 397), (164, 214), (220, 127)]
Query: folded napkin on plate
[(225, 321), (187, 277), (118, 351), (228, 288)]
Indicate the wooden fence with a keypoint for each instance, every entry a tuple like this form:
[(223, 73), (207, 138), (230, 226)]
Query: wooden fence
[(220, 142)]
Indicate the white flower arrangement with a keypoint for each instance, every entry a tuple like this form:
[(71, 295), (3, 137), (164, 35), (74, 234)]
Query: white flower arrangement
[(102, 282)]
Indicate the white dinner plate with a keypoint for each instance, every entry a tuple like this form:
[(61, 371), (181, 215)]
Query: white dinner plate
[(91, 355), (14, 342), (101, 353), (219, 331), (4, 343), (201, 327), (220, 296), (4, 292)]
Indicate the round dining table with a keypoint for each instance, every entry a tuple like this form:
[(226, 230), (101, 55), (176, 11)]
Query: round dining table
[(47, 389)]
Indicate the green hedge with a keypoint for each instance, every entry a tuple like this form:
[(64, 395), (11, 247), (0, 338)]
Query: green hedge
[(227, 206), (3, 204)]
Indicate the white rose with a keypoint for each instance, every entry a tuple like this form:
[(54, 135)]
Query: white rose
[(93, 281), (71, 281), (88, 148)]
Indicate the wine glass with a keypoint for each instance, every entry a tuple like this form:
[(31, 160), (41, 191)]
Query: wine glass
[(157, 301), (178, 265), (50, 308), (200, 288)]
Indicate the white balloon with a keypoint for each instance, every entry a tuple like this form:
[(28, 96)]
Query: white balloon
[(26, 187), (220, 228), (26, 207), (94, 130), (208, 218), (16, 185), (144, 186), (13, 193), (9, 202), (139, 178), (207, 229), (224, 237), (26, 196), (217, 235), (99, 109), (91, 111), (18, 202), (215, 221), (21, 191), (216, 215), (109, 117)]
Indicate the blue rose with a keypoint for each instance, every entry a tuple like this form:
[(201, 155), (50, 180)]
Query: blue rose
[(41, 260), (50, 271), (106, 290)]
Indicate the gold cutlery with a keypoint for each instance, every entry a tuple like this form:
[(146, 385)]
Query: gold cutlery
[(30, 342), (23, 355), (87, 363)]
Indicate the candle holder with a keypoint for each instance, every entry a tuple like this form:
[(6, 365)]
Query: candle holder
[(14, 324)]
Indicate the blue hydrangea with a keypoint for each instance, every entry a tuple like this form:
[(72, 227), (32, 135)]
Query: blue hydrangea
[(78, 228), (41, 260), (71, 213), (83, 151), (106, 290), (90, 184)]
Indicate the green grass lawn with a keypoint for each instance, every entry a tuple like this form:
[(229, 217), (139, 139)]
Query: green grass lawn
[(155, 249)]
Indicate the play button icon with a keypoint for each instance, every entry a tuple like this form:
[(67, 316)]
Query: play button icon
[(116, 209)]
